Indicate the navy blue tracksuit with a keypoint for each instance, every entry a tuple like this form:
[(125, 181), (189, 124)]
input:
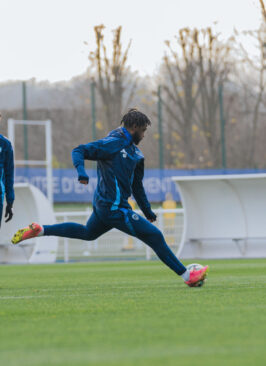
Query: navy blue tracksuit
[(120, 170), (6, 173)]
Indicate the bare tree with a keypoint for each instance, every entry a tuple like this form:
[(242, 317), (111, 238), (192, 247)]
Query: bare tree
[(194, 72), (114, 80), (263, 10), (181, 87), (214, 67), (254, 84)]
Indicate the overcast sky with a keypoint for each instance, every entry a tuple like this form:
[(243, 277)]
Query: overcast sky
[(45, 38)]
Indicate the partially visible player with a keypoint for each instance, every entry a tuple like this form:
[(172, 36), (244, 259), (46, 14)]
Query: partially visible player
[(120, 168), (6, 177)]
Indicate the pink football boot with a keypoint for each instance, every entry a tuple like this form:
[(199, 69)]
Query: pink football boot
[(196, 276)]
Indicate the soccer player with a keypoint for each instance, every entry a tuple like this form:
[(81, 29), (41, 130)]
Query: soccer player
[(120, 169), (6, 177)]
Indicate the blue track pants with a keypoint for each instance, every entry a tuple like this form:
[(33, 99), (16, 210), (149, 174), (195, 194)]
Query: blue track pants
[(125, 220)]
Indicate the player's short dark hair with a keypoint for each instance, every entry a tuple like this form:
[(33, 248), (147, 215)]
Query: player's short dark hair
[(135, 117)]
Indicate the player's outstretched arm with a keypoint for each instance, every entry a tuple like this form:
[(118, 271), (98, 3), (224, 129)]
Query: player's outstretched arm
[(78, 162), (9, 183), (102, 149), (139, 193)]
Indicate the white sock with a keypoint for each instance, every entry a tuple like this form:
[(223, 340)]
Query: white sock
[(41, 232), (185, 275)]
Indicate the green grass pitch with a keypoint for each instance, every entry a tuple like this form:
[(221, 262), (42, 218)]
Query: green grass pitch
[(132, 313)]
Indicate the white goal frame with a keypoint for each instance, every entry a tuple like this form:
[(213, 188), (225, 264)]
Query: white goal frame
[(48, 147)]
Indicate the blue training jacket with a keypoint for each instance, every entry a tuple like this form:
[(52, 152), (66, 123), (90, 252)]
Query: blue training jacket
[(120, 170), (6, 171)]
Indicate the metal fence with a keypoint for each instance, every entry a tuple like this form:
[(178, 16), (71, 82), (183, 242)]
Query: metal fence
[(116, 244)]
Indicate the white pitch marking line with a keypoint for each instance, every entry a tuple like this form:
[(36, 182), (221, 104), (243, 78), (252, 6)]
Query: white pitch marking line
[(20, 297)]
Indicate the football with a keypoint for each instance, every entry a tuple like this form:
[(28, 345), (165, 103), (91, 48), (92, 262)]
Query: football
[(196, 266)]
